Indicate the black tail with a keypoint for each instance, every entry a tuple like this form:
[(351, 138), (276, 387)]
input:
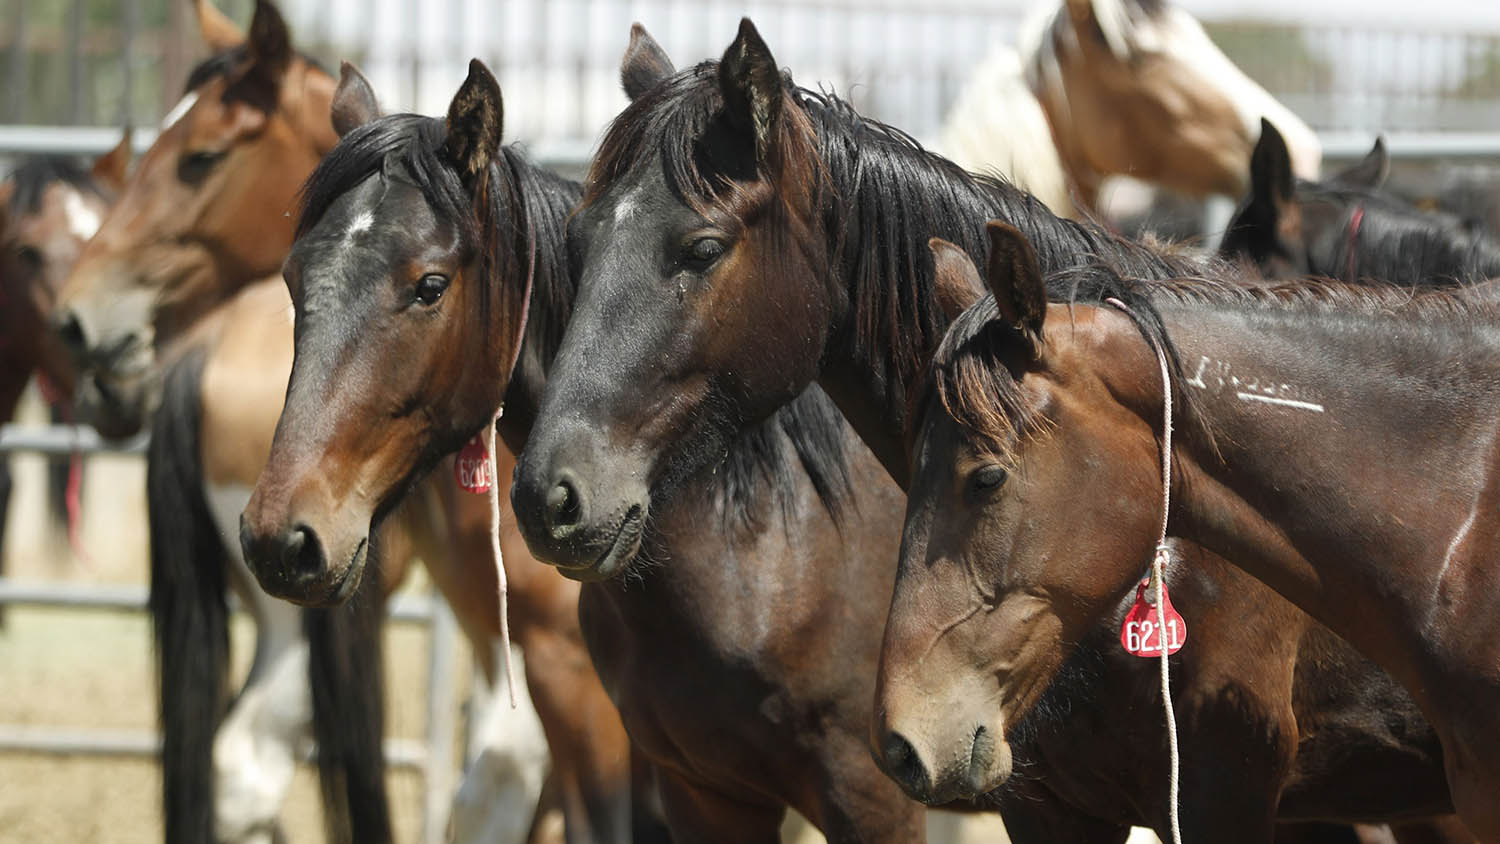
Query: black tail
[(348, 693), (188, 611)]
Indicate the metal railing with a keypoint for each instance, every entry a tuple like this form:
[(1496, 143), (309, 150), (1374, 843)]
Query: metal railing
[(432, 757)]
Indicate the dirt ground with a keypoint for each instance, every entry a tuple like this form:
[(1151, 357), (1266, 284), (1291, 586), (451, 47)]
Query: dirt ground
[(76, 668)]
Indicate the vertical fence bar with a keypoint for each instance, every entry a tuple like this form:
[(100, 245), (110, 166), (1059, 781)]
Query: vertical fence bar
[(16, 64), (131, 26), (438, 776), (75, 63)]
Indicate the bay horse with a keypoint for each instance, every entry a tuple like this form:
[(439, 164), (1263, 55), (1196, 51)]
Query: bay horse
[(748, 238), (1137, 88), (1059, 407), (741, 716), (220, 404), (49, 207), (1345, 227)]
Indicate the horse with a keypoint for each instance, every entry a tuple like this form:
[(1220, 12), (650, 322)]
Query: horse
[(220, 402), (49, 206), (717, 201), (1347, 228), (201, 218), (1176, 106), (1136, 87), (1377, 553), (691, 627)]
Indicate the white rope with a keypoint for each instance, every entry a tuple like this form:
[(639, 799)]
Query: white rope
[(1158, 570), (500, 580)]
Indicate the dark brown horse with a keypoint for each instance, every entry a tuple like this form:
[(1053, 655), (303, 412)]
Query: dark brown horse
[(741, 238), (721, 699), (1347, 228), (1296, 456)]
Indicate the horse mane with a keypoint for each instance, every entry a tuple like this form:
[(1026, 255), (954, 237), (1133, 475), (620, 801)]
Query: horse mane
[(410, 146), (1399, 241), (971, 378), (875, 186), (36, 173), (527, 205)]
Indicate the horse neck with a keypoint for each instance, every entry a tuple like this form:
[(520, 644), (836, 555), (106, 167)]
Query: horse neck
[(1348, 485), (893, 321), (1410, 248)]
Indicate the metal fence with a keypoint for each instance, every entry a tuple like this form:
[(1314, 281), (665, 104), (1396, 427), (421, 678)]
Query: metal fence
[(106, 62), (432, 756)]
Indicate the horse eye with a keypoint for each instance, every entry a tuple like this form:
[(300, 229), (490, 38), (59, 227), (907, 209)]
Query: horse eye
[(705, 250), (31, 257), (196, 165), (430, 288), (987, 478)]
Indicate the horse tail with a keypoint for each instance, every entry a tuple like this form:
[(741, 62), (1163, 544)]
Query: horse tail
[(189, 615), (345, 669)]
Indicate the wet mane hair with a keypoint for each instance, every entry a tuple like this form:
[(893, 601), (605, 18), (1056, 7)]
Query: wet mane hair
[(880, 196), (410, 146), (36, 173), (969, 378), (1400, 242)]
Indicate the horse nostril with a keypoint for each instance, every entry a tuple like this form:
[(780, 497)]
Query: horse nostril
[(69, 329), (903, 765), (301, 553), (564, 506)]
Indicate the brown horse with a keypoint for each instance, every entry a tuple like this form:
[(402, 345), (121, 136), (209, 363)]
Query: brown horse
[(226, 395), (742, 716), (1135, 87), (747, 237), (1058, 407), (204, 213), (1347, 228)]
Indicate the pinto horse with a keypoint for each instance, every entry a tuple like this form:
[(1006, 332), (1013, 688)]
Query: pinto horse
[(49, 207), (1347, 228), (749, 238), (741, 717), (1060, 406)]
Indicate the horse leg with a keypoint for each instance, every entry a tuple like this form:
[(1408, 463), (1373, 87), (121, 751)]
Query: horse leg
[(698, 813), (1473, 772), (5, 487), (1033, 814), (255, 749), (857, 802), (498, 798)]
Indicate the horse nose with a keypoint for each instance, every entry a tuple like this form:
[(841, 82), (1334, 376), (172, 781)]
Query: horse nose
[(902, 764), (564, 506), (68, 327), (285, 562)]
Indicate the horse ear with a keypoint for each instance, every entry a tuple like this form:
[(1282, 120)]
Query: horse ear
[(269, 54), (354, 102), (645, 63), (955, 278), (218, 31), (1016, 280), (752, 87), (110, 168), (1272, 182), (475, 124), (1371, 171)]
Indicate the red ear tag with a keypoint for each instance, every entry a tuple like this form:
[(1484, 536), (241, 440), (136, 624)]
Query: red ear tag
[(1141, 634), (472, 468)]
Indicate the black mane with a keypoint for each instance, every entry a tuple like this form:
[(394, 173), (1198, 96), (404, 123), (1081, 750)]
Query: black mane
[(36, 173), (222, 64), (412, 146), (882, 196)]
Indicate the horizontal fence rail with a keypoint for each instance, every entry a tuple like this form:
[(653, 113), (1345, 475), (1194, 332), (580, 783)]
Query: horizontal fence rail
[(431, 757)]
